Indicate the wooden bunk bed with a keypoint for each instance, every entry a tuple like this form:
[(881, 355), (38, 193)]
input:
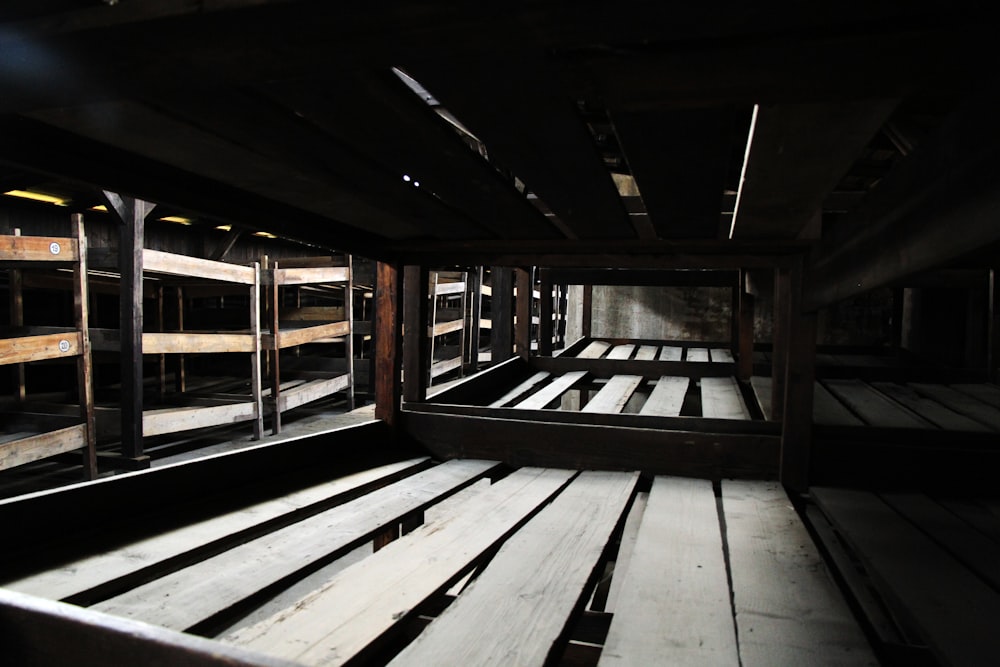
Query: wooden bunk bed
[(447, 329), (296, 325), (30, 436)]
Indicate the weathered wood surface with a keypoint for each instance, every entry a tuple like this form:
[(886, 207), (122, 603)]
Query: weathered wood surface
[(39, 446), (929, 409), (626, 547), (517, 609), (721, 355), (826, 408), (312, 391), (156, 261), (697, 354), (788, 609), (100, 571), (667, 397), (594, 350), (671, 353), (346, 615), (953, 609), (646, 353), (313, 314), (987, 393), (875, 408), (441, 328), (441, 367), (306, 275), (673, 608), (174, 420), (613, 396), (621, 351), (38, 249), (302, 335), (199, 592), (721, 399), (520, 389), (962, 403), (551, 391), (36, 348), (196, 343)]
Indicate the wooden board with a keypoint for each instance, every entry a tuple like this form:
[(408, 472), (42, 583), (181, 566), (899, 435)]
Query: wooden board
[(962, 403), (721, 399), (671, 353), (292, 337), (38, 249), (156, 261), (335, 623), (99, 570), (874, 408), (41, 446), (721, 355), (312, 391), (621, 351), (954, 609), (518, 608), (595, 350), (520, 389), (646, 353), (673, 608), (625, 549), (927, 408), (551, 392), (185, 598), (613, 395), (174, 420), (987, 393), (826, 409), (697, 354), (667, 397), (35, 348), (319, 275), (196, 343), (788, 609)]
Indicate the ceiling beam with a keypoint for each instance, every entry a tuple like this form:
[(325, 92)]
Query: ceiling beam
[(939, 203), (796, 155)]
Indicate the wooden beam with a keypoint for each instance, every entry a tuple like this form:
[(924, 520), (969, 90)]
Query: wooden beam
[(84, 363), (645, 277), (587, 325), (502, 313), (745, 330), (388, 342), (416, 363), (522, 306), (780, 341), (475, 317), (545, 313), (800, 377)]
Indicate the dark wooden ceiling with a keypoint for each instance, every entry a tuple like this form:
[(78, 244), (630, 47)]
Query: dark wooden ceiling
[(549, 129)]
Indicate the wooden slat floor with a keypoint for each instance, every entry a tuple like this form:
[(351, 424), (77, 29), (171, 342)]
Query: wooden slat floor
[(647, 352), (474, 564)]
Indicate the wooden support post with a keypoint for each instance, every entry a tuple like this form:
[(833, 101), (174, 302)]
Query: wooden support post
[(800, 377), (256, 385), (735, 297), (388, 342), (349, 318), (275, 353), (161, 367), (84, 363), (181, 379), (131, 213), (475, 317), (780, 340), (17, 320), (588, 311), (561, 316), (502, 309), (545, 311), (416, 364), (522, 305), (993, 328), (746, 314)]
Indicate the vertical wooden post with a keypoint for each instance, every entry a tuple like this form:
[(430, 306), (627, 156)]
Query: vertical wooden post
[(84, 363), (522, 306), (800, 374), (993, 328), (561, 317), (388, 342), (545, 310), (432, 288), (181, 379), (475, 317), (502, 309), (17, 321), (780, 340), (275, 353), (745, 351), (735, 298), (256, 387), (586, 327), (161, 326), (349, 318), (464, 309), (415, 305), (131, 213)]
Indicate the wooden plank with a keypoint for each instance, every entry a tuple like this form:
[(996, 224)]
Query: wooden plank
[(721, 399), (667, 397), (173, 264), (42, 445), (874, 408), (338, 621), (518, 608), (761, 385), (826, 408), (962, 403), (646, 353), (987, 393), (671, 353), (927, 408), (626, 548), (312, 391), (551, 391), (522, 313), (91, 574), (388, 344), (594, 350), (697, 354), (970, 547), (721, 355), (621, 352), (313, 314), (788, 609), (675, 610), (36, 348), (416, 364), (951, 607), (293, 337), (196, 343), (174, 420), (197, 593), (520, 389), (441, 328), (614, 394), (317, 275), (38, 249)]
